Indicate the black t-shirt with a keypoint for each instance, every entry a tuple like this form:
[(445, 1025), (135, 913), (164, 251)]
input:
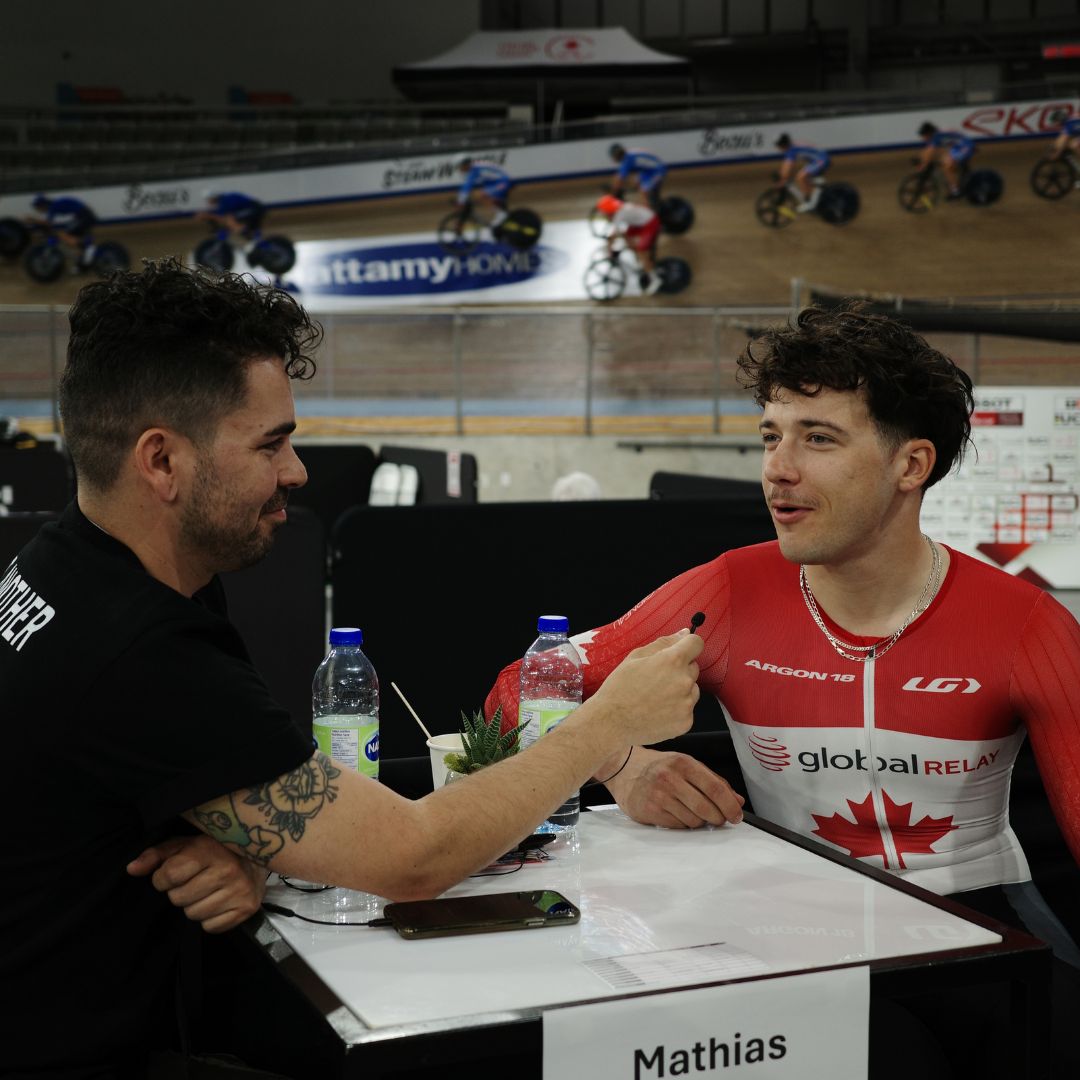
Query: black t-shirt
[(124, 704)]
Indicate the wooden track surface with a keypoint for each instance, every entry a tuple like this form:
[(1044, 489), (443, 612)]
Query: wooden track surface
[(1021, 246)]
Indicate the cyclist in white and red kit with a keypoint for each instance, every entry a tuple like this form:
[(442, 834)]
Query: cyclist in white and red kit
[(877, 685)]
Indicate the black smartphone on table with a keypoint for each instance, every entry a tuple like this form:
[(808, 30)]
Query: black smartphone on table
[(485, 913)]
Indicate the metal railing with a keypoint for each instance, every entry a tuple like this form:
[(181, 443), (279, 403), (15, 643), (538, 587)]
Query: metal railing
[(522, 370)]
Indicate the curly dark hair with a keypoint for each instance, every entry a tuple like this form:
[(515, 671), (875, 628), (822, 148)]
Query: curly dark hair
[(912, 391), (169, 345)]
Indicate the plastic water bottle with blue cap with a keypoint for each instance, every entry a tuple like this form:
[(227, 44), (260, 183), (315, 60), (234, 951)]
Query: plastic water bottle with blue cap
[(551, 683), (345, 704)]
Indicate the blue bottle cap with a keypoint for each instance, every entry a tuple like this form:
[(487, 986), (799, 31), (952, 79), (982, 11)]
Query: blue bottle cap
[(346, 635), (553, 624)]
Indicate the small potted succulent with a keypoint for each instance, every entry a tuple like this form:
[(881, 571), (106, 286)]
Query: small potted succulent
[(481, 744)]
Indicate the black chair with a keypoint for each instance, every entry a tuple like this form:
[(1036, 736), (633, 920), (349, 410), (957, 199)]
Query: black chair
[(17, 530), (669, 485), (279, 607), (35, 478), (447, 595), (339, 476), (445, 476)]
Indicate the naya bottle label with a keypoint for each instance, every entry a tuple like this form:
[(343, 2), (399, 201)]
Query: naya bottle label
[(351, 740), (540, 717)]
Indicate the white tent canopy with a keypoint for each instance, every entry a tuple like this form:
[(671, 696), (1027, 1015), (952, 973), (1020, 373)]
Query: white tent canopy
[(554, 48)]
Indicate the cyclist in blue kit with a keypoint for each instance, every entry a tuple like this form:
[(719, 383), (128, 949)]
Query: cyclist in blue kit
[(950, 150), (647, 170), (1068, 138), (802, 165), (487, 182), (71, 220), (239, 213)]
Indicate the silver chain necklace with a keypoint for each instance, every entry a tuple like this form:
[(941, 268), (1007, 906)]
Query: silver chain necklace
[(874, 652)]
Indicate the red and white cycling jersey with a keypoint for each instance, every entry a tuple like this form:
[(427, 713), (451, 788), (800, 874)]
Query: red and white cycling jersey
[(903, 761)]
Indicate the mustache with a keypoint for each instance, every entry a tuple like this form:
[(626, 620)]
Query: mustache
[(278, 502)]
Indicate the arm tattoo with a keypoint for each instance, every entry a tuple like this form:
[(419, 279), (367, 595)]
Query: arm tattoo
[(285, 805)]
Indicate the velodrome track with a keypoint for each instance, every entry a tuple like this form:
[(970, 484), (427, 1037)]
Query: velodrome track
[(1021, 246)]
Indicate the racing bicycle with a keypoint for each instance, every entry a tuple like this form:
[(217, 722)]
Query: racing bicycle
[(462, 230), (46, 258), (609, 273), (921, 191), (274, 254), (778, 207)]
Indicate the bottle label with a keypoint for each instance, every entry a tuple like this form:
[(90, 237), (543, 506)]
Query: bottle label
[(351, 740), (540, 717)]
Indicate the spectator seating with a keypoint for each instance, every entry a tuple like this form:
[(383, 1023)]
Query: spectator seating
[(444, 476), (669, 485), (35, 478), (339, 476)]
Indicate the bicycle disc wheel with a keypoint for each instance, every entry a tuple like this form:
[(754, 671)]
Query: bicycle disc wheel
[(521, 229), (774, 209), (1052, 178), (839, 203), (605, 279), (14, 237), (275, 254), (676, 215), (674, 274), (984, 187), (457, 237)]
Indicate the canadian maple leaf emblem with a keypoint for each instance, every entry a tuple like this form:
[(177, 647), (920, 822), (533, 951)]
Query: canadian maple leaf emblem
[(862, 837)]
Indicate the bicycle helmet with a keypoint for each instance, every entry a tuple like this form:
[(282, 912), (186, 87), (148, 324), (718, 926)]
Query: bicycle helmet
[(927, 128), (1057, 117), (783, 142), (41, 202), (462, 161), (616, 151), (608, 205)]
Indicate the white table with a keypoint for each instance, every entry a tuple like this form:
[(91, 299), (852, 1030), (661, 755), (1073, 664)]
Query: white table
[(661, 910)]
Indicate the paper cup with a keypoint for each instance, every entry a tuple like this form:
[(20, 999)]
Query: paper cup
[(439, 745)]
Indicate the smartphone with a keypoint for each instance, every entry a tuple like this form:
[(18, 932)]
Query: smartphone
[(481, 914)]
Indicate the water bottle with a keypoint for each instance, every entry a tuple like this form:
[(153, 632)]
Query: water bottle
[(345, 704), (551, 682)]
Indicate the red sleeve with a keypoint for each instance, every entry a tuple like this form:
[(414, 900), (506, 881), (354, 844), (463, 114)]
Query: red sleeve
[(704, 588), (1046, 690)]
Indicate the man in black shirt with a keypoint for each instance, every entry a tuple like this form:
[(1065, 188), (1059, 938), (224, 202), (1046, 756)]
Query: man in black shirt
[(145, 712)]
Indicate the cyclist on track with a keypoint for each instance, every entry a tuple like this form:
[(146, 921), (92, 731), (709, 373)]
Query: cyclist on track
[(950, 150), (240, 214), (802, 165), (647, 170), (487, 182), (1068, 138), (71, 220), (638, 226)]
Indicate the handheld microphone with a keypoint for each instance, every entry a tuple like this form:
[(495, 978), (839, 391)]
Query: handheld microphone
[(696, 620)]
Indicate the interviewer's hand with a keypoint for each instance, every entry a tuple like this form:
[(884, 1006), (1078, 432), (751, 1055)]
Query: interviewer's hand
[(216, 888), (675, 791), (654, 690)]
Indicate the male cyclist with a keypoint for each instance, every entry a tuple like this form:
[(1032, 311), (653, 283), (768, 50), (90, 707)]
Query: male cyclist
[(802, 165), (639, 227), (950, 150), (1068, 138), (240, 214), (646, 170), (71, 220), (485, 181)]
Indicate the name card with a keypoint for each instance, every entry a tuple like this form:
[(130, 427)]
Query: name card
[(770, 1029)]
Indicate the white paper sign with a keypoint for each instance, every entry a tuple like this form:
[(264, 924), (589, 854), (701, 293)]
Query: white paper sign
[(771, 1029)]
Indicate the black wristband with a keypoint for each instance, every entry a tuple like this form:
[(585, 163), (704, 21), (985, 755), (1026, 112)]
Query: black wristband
[(617, 771)]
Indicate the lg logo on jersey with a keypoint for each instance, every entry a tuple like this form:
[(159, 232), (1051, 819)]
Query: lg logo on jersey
[(942, 686)]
